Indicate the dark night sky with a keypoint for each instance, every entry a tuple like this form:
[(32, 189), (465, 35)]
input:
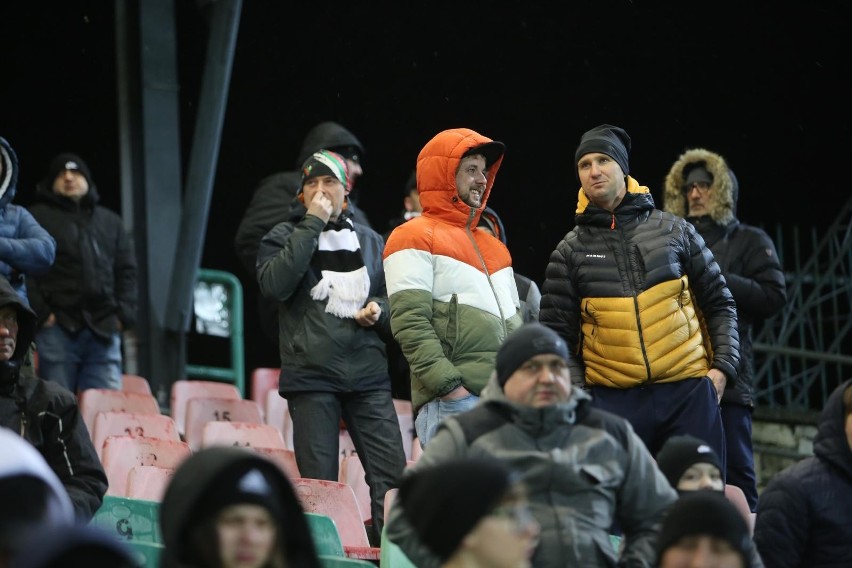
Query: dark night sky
[(761, 84)]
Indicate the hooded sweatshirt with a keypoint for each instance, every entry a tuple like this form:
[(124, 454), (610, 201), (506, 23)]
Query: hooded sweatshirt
[(451, 287), (745, 254), (26, 248), (197, 484), (46, 415), (803, 514), (19, 459)]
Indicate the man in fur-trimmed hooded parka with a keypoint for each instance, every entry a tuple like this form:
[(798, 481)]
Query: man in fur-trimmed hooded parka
[(701, 187)]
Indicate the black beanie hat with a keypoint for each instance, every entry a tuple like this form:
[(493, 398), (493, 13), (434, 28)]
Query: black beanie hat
[(679, 453), (705, 513), (525, 343), (64, 162), (444, 502), (325, 163), (242, 483), (606, 139)]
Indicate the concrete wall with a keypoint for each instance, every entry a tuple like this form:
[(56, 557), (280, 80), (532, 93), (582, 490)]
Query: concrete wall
[(781, 438)]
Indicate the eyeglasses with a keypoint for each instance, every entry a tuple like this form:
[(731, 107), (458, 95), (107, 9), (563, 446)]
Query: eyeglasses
[(520, 516), (702, 186)]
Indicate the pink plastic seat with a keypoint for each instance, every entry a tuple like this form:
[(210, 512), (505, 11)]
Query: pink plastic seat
[(148, 482), (347, 446), (390, 496), (285, 459), (263, 380), (200, 411), (351, 473), (93, 401), (135, 383), (114, 423), (184, 390), (277, 414), (736, 496), (405, 416), (246, 434), (122, 453), (416, 449), (338, 501)]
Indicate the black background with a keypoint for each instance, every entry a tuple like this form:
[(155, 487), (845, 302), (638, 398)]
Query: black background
[(761, 84)]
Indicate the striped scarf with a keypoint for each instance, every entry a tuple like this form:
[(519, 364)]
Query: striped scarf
[(344, 279)]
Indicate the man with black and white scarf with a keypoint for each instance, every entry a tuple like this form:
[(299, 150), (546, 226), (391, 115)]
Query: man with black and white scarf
[(326, 273)]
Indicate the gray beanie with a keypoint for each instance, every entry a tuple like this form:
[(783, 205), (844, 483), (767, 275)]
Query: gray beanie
[(606, 139), (525, 343)]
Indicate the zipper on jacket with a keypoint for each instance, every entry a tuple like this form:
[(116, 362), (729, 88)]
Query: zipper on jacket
[(612, 226), (485, 269), (634, 290)]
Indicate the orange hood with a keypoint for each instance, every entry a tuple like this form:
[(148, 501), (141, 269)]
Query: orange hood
[(436, 175)]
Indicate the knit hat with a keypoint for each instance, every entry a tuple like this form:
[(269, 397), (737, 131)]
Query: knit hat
[(705, 513), (679, 453), (325, 163), (525, 343), (64, 162), (491, 150), (243, 483), (606, 139), (444, 502), (697, 174)]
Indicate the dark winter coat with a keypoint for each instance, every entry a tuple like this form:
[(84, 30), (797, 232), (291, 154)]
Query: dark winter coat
[(274, 197), (638, 297), (26, 248), (584, 470), (93, 281), (803, 515), (273, 201), (320, 351), (745, 254), (47, 416)]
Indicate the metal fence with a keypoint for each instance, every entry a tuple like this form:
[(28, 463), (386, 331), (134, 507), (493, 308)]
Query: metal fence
[(802, 354)]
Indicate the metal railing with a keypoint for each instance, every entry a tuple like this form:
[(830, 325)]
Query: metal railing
[(803, 353)]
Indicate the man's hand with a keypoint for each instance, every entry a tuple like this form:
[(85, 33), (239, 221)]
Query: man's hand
[(458, 392), (320, 206), (368, 315), (719, 381)]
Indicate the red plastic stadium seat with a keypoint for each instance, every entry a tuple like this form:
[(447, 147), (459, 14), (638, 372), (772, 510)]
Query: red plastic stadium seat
[(184, 390)]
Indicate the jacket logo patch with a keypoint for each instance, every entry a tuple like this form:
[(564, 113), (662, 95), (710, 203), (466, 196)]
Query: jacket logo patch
[(590, 255)]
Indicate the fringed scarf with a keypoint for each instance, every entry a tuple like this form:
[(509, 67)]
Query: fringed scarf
[(344, 280)]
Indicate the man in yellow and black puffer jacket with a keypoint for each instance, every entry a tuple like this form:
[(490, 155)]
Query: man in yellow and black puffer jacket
[(643, 305)]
